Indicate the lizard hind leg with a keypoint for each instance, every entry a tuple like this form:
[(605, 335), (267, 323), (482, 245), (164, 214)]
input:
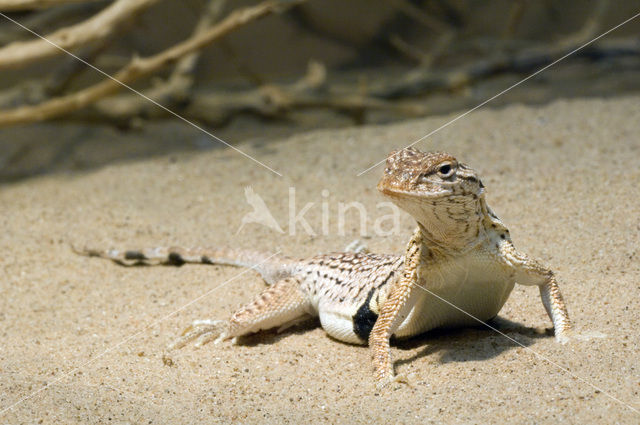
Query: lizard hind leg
[(281, 305)]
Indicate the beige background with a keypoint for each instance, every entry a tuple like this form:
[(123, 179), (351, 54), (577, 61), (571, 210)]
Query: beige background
[(564, 177)]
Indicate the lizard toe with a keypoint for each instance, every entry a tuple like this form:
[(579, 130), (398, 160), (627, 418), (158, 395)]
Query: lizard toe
[(203, 331)]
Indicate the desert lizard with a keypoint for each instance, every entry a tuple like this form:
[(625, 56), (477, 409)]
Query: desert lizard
[(460, 252)]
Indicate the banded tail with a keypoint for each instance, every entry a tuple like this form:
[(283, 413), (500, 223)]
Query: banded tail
[(272, 267)]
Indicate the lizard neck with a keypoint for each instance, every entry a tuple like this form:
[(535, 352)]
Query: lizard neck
[(454, 229)]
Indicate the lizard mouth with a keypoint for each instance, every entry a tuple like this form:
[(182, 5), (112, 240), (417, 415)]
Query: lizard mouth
[(397, 192), (400, 193)]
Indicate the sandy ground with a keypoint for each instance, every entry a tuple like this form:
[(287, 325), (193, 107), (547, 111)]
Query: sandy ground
[(84, 340)]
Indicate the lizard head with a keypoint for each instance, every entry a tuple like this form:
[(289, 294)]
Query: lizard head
[(427, 175), (440, 193)]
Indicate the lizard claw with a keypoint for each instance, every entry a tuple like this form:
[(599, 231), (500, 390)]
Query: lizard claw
[(203, 331), (564, 337), (571, 336), (381, 384), (400, 378)]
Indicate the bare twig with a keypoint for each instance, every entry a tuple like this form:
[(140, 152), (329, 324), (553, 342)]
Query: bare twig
[(277, 101), (588, 29), (37, 91), (57, 82), (515, 17), (425, 59), (422, 17), (42, 21), (169, 92), (420, 81), (445, 36), (140, 67), (218, 107), (11, 5), (410, 51), (99, 26)]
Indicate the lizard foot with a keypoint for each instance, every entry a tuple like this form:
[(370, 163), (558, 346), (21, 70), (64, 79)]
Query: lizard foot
[(569, 336), (400, 378), (203, 331)]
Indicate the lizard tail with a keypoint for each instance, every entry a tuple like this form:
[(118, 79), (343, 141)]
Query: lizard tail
[(272, 267)]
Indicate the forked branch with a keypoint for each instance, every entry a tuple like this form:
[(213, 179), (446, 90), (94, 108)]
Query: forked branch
[(99, 26), (12, 5), (140, 67)]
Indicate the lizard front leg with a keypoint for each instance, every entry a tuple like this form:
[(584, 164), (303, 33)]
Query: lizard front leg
[(556, 308), (392, 313), (530, 272)]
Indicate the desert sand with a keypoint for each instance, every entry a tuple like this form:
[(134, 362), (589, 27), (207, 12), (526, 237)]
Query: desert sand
[(85, 340)]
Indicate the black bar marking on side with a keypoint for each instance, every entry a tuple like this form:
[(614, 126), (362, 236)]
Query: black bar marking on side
[(175, 259), (364, 319), (134, 255)]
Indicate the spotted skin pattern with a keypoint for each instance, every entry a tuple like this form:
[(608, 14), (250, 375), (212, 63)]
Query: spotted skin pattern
[(460, 252)]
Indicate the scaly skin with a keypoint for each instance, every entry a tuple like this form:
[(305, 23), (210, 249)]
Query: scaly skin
[(456, 230), (460, 252)]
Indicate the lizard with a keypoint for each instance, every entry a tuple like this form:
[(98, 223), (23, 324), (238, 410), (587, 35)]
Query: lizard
[(459, 267)]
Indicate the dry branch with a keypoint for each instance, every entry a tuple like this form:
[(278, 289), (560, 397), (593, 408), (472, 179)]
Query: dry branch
[(170, 92), (425, 19), (140, 67), (97, 27), (420, 81), (48, 18), (217, 108), (11, 5), (267, 101), (588, 29), (39, 90)]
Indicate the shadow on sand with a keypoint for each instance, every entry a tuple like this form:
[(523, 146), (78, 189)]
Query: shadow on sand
[(452, 345)]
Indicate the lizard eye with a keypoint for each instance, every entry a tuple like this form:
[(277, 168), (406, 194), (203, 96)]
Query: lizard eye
[(446, 170)]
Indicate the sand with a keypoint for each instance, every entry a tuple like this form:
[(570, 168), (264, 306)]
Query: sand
[(84, 340)]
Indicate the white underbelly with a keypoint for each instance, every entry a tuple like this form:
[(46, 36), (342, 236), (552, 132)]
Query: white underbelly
[(339, 325), (462, 296)]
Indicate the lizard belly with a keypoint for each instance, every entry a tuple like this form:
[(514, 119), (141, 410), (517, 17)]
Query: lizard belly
[(338, 318), (478, 288), (340, 326)]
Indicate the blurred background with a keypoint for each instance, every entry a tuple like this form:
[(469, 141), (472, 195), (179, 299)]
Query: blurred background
[(250, 71)]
